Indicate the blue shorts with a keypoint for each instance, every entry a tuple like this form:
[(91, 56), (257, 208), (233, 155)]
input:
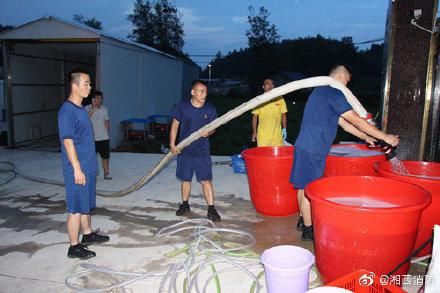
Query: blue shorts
[(307, 167), (187, 165), (80, 199)]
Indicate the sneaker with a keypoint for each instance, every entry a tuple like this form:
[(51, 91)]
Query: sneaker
[(108, 177), (183, 210), (94, 238), (80, 251), (213, 215), (307, 234), (300, 224)]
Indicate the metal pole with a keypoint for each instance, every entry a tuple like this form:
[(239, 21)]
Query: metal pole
[(7, 75), (209, 74)]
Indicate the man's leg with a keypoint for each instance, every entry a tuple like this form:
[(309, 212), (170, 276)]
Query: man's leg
[(90, 237), (185, 189), (86, 224), (76, 250), (299, 196), (73, 227), (307, 230), (208, 192), (106, 166), (305, 208)]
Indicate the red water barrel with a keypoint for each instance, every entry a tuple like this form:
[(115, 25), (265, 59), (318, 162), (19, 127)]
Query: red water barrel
[(427, 176), (364, 222), (337, 165), (268, 172)]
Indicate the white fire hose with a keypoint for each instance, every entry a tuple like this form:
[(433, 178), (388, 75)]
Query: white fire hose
[(258, 100)]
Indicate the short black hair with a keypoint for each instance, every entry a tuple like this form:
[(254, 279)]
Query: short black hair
[(196, 82), (99, 93), (74, 75), (346, 66)]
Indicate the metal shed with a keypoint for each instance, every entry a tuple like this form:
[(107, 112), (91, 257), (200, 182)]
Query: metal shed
[(136, 80)]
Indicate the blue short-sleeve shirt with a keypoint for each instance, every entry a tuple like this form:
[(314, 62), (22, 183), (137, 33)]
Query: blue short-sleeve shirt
[(192, 119), (320, 120), (74, 123)]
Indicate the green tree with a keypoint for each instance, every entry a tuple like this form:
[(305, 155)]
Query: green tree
[(157, 24), (5, 27), (218, 55), (261, 32), (262, 39), (91, 22)]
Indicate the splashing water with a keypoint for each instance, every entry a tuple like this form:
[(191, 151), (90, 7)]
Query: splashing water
[(398, 167)]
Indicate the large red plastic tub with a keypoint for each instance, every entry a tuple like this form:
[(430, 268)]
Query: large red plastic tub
[(364, 222), (427, 176), (268, 172), (337, 165)]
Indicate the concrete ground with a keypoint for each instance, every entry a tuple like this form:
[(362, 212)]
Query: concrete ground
[(33, 239)]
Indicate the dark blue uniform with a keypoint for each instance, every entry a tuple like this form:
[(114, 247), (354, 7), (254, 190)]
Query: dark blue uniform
[(74, 123), (318, 130), (196, 157)]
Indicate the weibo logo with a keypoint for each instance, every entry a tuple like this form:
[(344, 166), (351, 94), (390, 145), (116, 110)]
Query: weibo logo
[(366, 279)]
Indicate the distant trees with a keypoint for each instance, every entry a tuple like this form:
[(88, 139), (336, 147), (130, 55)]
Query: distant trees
[(262, 38), (311, 56), (5, 27), (157, 24), (261, 31), (91, 22)]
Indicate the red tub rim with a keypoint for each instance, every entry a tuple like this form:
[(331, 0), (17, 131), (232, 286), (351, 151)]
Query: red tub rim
[(378, 167), (387, 210), (268, 152)]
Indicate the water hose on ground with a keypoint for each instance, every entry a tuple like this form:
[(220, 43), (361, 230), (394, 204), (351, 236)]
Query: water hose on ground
[(202, 252)]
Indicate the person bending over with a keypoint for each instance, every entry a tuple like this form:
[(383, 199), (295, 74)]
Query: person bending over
[(325, 109)]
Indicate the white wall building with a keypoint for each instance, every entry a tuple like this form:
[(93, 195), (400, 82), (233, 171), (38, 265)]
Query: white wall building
[(136, 80)]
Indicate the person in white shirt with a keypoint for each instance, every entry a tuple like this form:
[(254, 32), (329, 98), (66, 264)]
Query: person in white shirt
[(101, 125)]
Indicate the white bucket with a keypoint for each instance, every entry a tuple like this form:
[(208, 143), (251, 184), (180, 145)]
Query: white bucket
[(287, 268)]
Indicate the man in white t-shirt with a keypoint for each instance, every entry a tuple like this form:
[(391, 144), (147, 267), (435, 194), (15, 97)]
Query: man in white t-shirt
[(101, 124)]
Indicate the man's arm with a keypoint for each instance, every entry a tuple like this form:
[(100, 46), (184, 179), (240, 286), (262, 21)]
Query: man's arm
[(173, 135), (78, 174), (284, 120), (92, 108), (254, 127), (347, 126), (362, 125)]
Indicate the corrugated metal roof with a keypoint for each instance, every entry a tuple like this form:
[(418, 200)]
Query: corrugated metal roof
[(14, 34)]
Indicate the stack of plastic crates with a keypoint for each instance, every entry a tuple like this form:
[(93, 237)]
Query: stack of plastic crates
[(363, 281)]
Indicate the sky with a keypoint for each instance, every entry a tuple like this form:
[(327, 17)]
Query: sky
[(220, 25)]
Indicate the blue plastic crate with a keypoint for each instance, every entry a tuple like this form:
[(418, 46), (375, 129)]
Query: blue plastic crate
[(238, 164)]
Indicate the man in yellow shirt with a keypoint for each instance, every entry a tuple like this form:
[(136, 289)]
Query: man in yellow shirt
[(268, 118)]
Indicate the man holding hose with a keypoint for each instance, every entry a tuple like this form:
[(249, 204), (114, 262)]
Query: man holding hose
[(325, 109), (188, 117)]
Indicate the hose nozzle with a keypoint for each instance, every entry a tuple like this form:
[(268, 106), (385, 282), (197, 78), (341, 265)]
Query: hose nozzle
[(389, 150)]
